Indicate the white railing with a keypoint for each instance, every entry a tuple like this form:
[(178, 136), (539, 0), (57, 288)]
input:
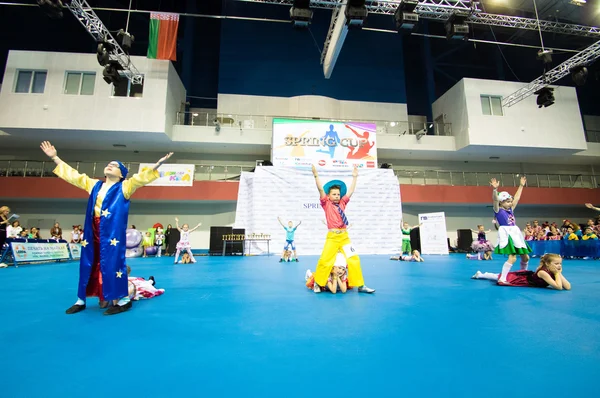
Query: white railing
[(207, 172)]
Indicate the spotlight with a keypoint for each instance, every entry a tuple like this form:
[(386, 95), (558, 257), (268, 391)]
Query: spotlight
[(545, 97), (53, 8), (406, 18), (578, 2), (356, 13), (111, 72), (579, 74), (301, 14), (545, 56), (456, 27), (126, 40), (102, 53)]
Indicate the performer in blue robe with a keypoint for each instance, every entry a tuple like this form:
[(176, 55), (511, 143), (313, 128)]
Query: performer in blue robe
[(102, 269)]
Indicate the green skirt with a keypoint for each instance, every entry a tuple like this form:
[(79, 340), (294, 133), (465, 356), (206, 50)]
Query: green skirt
[(511, 249)]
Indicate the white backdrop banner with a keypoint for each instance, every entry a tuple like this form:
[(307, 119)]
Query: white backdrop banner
[(172, 175), (434, 238), (374, 211), (331, 145)]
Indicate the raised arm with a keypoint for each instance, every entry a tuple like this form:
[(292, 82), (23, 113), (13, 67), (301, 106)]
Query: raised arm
[(66, 172), (297, 225), (279, 219), (177, 224), (591, 206), (196, 227), (517, 196), (495, 184), (138, 180), (318, 182), (354, 179)]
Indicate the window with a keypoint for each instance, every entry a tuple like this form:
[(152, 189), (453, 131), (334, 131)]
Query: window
[(491, 105), (80, 83), (30, 81), (124, 88)]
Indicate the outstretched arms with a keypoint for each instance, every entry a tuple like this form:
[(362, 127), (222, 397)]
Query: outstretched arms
[(591, 206), (495, 184), (66, 172), (354, 179), (517, 196), (318, 182)]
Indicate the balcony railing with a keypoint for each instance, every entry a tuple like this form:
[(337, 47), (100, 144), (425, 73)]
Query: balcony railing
[(249, 122), (207, 172)]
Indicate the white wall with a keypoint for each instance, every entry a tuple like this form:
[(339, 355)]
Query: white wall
[(55, 110), (524, 125), (310, 106), (452, 105), (176, 95)]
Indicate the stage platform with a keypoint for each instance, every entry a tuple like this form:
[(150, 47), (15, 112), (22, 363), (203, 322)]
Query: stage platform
[(248, 327)]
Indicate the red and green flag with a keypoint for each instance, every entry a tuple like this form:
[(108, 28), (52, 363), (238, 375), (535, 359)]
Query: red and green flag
[(163, 36)]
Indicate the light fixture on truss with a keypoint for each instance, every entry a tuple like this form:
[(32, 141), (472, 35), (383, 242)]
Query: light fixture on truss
[(456, 27), (301, 14), (405, 17), (356, 13)]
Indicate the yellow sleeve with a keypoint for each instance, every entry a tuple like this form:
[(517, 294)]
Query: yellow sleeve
[(139, 180), (72, 176)]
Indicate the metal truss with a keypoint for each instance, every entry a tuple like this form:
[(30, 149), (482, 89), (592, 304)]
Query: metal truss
[(334, 18), (442, 9), (90, 21), (582, 58)]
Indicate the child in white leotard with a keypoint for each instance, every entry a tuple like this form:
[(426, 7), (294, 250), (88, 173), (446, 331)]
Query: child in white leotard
[(184, 240)]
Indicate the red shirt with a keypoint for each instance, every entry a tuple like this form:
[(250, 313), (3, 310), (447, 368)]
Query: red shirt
[(332, 214)]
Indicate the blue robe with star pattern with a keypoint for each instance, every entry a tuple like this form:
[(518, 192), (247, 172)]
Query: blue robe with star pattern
[(112, 243)]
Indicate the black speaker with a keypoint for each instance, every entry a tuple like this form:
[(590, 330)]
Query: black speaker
[(465, 239), (415, 239), (237, 248), (216, 240)]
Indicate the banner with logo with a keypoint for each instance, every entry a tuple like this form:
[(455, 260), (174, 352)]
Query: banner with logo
[(331, 145), (434, 238), (374, 211), (32, 252), (75, 249), (172, 175)]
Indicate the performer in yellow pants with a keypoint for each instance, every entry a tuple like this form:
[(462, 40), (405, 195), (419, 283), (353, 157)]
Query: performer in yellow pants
[(338, 240), (334, 203)]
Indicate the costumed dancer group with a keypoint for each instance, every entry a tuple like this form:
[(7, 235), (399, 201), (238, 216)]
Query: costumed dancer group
[(104, 274), (512, 243)]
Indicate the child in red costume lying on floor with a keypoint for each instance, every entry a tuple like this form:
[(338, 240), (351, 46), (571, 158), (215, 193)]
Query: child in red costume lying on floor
[(549, 273)]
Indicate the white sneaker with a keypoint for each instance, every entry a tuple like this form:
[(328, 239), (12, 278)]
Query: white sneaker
[(365, 289), (317, 288), (307, 275), (477, 275), (2, 265)]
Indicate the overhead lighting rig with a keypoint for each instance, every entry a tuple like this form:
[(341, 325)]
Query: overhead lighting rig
[(301, 14), (405, 16), (456, 26), (356, 13)]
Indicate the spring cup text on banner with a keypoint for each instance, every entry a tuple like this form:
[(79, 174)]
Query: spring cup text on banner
[(374, 211), (328, 144), (172, 175), (30, 252), (434, 237)]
